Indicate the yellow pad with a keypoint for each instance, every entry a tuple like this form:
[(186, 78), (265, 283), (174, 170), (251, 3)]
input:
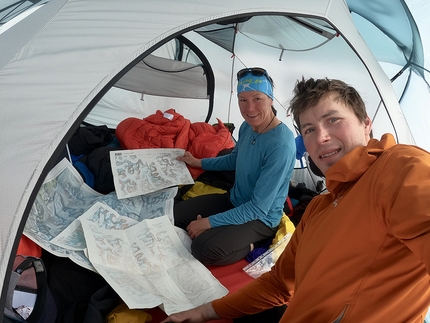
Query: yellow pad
[(285, 226), (200, 188), (122, 314)]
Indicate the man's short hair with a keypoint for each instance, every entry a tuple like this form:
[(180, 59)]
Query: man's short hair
[(308, 93)]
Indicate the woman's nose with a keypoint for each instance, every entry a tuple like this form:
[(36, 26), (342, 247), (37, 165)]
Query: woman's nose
[(247, 106)]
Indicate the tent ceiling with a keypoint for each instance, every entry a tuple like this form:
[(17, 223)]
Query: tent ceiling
[(282, 32), (384, 24), (172, 78), (287, 33)]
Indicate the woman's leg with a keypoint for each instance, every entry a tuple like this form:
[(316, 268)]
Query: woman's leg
[(230, 243), (205, 205)]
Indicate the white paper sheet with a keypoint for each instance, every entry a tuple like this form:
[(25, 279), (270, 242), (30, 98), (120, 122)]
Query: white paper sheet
[(142, 171)]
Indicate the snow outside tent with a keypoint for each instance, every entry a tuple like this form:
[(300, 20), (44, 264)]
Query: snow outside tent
[(103, 61)]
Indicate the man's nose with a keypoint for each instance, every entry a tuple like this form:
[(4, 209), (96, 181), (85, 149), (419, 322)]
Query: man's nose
[(322, 135)]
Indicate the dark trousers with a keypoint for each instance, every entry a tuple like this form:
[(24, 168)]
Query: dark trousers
[(221, 245)]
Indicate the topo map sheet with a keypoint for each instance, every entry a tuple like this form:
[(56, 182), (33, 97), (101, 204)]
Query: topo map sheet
[(147, 265), (141, 171)]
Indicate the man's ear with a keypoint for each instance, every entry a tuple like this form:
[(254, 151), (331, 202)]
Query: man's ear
[(368, 127)]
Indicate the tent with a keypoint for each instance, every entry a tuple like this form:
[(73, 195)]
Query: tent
[(71, 61)]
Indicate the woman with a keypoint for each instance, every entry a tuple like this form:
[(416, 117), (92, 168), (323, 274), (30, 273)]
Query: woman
[(225, 227)]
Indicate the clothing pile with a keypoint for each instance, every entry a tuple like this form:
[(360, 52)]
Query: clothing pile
[(90, 148)]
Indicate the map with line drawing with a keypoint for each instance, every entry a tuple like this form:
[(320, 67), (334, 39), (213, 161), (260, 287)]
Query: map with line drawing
[(147, 265), (142, 171)]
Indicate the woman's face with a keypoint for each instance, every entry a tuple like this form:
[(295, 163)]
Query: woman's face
[(256, 109)]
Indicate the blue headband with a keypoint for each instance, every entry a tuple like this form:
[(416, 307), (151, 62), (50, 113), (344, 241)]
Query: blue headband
[(255, 83)]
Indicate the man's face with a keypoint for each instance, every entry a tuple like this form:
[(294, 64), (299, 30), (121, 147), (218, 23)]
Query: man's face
[(330, 130)]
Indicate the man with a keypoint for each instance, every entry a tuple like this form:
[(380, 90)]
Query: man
[(361, 252)]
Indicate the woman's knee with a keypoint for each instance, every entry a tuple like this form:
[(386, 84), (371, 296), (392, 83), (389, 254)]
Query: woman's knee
[(212, 253), (206, 252)]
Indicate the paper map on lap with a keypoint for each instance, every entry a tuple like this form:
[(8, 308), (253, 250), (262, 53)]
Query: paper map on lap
[(141, 171)]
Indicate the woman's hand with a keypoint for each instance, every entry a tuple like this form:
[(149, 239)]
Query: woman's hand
[(197, 227), (190, 160)]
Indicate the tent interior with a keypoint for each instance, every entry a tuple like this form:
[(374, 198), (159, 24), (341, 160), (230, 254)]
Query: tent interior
[(194, 71)]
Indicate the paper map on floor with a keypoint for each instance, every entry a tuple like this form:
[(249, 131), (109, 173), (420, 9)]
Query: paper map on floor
[(148, 266), (142, 171), (63, 197)]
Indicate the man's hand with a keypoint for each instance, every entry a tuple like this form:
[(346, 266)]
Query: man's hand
[(190, 160), (197, 227), (199, 314)]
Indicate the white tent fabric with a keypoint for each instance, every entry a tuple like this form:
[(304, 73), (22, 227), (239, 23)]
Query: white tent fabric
[(58, 63), (178, 79)]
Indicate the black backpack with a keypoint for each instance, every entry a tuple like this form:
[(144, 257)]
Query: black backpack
[(29, 298)]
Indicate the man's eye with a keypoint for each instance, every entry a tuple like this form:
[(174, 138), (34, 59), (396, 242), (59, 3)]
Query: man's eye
[(333, 119), (309, 130)]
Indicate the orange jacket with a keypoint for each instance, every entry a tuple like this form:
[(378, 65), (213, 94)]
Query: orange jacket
[(361, 253)]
